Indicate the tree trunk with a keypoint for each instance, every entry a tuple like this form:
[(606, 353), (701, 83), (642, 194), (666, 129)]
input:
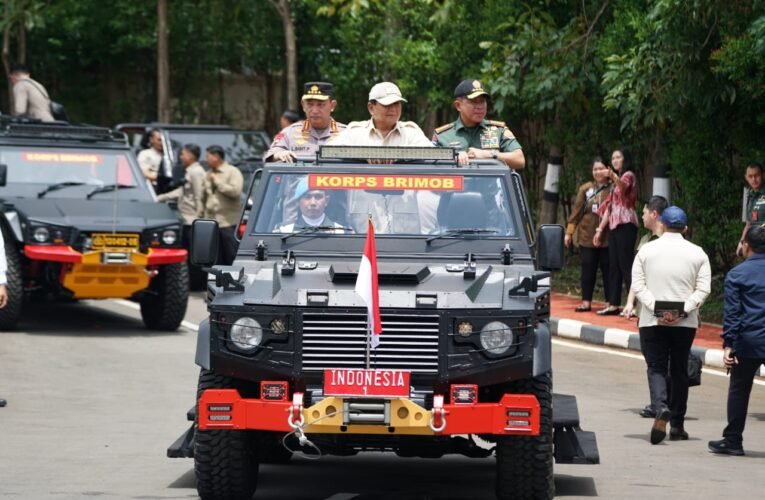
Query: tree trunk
[(21, 43), (290, 46), (7, 53), (163, 64)]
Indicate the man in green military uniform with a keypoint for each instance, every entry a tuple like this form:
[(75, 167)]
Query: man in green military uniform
[(473, 134)]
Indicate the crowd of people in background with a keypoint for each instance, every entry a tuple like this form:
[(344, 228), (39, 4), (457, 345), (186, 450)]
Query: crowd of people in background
[(668, 281)]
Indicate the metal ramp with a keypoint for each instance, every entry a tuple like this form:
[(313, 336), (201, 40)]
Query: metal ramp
[(572, 445)]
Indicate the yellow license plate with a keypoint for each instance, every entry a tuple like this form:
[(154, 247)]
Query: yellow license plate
[(109, 240)]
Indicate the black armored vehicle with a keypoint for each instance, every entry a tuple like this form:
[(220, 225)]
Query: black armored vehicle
[(463, 361), (244, 148), (80, 222)]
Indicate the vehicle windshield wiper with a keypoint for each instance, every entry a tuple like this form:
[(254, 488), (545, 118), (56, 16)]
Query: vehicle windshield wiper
[(108, 188), (58, 185), (313, 229), (462, 230)]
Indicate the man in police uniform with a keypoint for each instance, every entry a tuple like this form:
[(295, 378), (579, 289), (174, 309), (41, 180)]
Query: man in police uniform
[(475, 136), (304, 138)]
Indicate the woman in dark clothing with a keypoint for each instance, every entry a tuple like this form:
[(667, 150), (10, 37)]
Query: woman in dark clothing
[(620, 216), (589, 199)]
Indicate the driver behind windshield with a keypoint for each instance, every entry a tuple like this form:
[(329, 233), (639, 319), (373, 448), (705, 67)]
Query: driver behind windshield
[(313, 204)]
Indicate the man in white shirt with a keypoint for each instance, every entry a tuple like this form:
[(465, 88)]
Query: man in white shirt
[(385, 127), (150, 159), (410, 212), (674, 270)]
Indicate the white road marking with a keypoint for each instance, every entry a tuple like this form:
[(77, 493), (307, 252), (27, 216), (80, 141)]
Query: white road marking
[(584, 347)]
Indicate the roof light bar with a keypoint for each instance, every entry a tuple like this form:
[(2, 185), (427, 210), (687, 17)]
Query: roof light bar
[(385, 153)]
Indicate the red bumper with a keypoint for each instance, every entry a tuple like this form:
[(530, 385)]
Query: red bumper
[(514, 414), (155, 257)]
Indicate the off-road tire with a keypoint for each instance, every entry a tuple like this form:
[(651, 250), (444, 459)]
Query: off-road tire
[(163, 305), (525, 463), (14, 287), (225, 462)]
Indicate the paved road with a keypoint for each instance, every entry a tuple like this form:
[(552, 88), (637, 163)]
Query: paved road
[(94, 400)]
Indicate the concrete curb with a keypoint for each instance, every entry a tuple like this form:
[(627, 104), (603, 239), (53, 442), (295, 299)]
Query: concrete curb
[(623, 339)]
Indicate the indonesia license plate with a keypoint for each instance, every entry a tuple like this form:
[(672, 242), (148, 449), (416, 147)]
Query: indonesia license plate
[(114, 240), (366, 383)]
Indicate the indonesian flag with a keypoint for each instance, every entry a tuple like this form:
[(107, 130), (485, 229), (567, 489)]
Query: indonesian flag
[(366, 286)]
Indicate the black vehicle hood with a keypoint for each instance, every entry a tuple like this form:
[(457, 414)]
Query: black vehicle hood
[(97, 215), (419, 286)]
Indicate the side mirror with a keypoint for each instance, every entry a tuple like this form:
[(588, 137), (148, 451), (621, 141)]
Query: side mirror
[(204, 242), (550, 255), (3, 174)]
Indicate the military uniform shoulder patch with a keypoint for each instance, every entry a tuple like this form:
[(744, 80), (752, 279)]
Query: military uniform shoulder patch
[(444, 128), (508, 133), (497, 123)]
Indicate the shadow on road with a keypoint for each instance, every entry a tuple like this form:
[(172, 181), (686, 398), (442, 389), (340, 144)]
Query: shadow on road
[(386, 477), (80, 319)]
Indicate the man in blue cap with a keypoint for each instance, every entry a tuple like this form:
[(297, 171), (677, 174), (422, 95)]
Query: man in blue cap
[(676, 272), (313, 204)]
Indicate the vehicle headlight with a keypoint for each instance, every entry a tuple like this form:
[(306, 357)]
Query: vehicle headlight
[(246, 333), (496, 337), (169, 237), (41, 234)]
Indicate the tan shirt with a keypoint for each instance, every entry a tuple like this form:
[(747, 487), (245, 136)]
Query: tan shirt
[(222, 195), (30, 98), (674, 269), (191, 195), (589, 199), (364, 133)]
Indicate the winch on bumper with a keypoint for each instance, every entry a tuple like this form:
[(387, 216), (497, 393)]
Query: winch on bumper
[(107, 273), (514, 414)]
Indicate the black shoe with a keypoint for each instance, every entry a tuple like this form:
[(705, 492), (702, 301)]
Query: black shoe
[(648, 412), (659, 428), (678, 434), (724, 447), (2, 403)]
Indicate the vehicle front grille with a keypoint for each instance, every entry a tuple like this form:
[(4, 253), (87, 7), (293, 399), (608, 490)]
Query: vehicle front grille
[(408, 342)]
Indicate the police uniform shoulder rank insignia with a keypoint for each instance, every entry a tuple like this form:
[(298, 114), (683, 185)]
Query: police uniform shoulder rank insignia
[(444, 128)]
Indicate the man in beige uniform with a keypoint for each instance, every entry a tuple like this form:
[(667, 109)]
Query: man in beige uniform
[(191, 204), (29, 97), (223, 187), (391, 213)]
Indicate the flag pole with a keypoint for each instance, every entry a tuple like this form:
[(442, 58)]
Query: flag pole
[(370, 326)]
